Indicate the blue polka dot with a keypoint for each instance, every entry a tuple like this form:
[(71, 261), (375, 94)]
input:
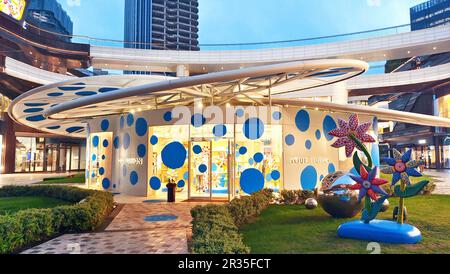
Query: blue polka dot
[(331, 168), (198, 120), (302, 120), (242, 150), (153, 140), (33, 110), (122, 122), (74, 129), (93, 175), (168, 116), (116, 142), (36, 118), (276, 175), (155, 183), (259, 157), (269, 177), (197, 149), (54, 127), (253, 129), (321, 177), (95, 141), (308, 144), (104, 125), (106, 183), (85, 93), (124, 170), (174, 155), (276, 115), (101, 171), (240, 112), (35, 104), (181, 184), (318, 134), (105, 143), (130, 119), (105, 90), (375, 152), (289, 139), (251, 161), (141, 150), (141, 127), (186, 175), (308, 178), (202, 168), (251, 181), (55, 94), (94, 157), (103, 157), (220, 130), (126, 141), (328, 125), (134, 178), (214, 167)]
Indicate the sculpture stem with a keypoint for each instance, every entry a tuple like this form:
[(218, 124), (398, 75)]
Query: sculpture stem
[(363, 148), (401, 205)]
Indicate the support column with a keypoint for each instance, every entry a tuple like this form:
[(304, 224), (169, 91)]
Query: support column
[(9, 145), (339, 93), (182, 71)]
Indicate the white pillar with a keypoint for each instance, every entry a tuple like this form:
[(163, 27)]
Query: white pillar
[(182, 71), (339, 93)]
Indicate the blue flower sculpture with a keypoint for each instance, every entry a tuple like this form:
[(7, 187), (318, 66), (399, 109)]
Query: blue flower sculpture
[(401, 167)]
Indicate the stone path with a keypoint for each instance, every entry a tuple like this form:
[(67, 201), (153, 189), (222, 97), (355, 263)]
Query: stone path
[(442, 180), (128, 233)]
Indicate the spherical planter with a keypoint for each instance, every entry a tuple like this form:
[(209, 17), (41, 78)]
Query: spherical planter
[(311, 203), (341, 205)]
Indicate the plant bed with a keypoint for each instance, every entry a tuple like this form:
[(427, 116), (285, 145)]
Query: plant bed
[(292, 229), (87, 211), (10, 205), (72, 179)]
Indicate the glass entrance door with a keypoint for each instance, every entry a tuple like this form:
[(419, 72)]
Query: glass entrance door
[(220, 167), (200, 162)]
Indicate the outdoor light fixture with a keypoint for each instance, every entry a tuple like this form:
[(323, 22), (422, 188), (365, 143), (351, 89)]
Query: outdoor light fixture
[(422, 142)]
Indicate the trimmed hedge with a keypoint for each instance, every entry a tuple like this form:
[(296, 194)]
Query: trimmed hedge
[(295, 197), (33, 225), (215, 227)]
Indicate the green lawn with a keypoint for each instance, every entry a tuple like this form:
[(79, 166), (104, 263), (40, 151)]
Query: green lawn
[(76, 179), (14, 204), (296, 230)]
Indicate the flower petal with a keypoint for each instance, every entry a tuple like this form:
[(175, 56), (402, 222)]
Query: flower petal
[(379, 181), (389, 161), (363, 128), (372, 174), (397, 155), (387, 170), (366, 138), (396, 177), (362, 193), (413, 164), (363, 172), (379, 190), (343, 124), (413, 172), (349, 148), (337, 132), (354, 187), (372, 194), (405, 179), (340, 142), (407, 156), (353, 122)]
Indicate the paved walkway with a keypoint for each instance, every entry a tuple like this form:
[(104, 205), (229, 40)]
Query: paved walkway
[(129, 233), (442, 180), (28, 178)]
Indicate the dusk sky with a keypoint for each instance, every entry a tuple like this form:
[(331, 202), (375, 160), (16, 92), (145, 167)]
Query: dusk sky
[(237, 21)]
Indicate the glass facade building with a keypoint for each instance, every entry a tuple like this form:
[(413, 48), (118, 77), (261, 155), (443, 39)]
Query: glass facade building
[(430, 14), (161, 24)]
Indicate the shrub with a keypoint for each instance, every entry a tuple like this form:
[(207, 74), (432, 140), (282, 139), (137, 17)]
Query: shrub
[(295, 197), (215, 227), (32, 225)]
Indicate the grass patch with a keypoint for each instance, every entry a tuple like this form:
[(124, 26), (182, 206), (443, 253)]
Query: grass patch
[(76, 179), (10, 205), (292, 229)]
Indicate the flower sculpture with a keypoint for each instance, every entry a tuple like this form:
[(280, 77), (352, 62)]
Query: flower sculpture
[(401, 167), (368, 184), (352, 135)]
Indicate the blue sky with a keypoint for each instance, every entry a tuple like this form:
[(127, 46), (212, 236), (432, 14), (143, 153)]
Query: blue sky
[(230, 21)]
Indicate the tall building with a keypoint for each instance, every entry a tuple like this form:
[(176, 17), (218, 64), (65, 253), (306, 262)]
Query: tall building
[(430, 14), (49, 15), (430, 144), (161, 24)]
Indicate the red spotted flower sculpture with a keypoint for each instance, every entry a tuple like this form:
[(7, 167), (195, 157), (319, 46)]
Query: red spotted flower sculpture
[(352, 135)]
